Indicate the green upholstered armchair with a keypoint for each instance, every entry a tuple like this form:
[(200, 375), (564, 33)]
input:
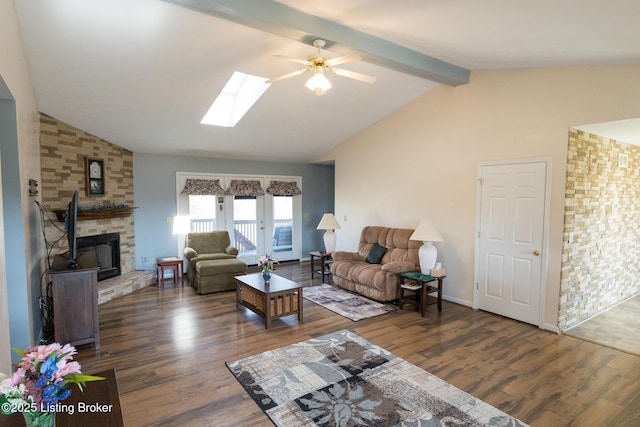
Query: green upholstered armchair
[(206, 246)]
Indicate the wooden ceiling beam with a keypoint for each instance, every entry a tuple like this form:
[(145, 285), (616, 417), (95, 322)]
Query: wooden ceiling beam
[(276, 18)]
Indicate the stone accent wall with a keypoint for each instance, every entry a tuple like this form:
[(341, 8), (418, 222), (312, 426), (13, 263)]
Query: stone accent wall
[(63, 150), (601, 249)]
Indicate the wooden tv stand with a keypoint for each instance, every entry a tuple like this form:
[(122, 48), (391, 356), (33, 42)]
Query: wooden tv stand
[(75, 306)]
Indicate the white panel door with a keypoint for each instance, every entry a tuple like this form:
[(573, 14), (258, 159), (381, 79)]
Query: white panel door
[(512, 206)]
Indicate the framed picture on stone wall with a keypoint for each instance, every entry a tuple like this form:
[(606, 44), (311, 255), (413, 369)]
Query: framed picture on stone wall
[(94, 176)]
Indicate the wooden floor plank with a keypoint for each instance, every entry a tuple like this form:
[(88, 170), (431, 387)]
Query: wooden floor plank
[(169, 347), (617, 328)]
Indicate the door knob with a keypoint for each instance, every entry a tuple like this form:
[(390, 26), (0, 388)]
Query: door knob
[(536, 252)]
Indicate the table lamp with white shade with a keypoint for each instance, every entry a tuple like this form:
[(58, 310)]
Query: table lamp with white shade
[(329, 223), (428, 254)]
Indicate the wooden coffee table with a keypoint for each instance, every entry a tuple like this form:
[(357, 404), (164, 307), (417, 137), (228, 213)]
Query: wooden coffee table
[(278, 298)]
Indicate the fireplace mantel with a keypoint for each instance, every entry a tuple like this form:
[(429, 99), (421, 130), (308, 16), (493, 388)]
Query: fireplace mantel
[(105, 213)]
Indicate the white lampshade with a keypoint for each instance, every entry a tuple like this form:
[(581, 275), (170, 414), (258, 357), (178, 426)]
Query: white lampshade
[(426, 232), (329, 223), (428, 254)]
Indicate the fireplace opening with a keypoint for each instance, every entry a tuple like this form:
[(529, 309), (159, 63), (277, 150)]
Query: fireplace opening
[(106, 248)]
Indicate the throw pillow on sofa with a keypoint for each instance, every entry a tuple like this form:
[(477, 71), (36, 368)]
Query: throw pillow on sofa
[(376, 253)]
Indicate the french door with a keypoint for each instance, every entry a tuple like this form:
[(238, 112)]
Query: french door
[(247, 227), (256, 224), (266, 224), (280, 214)]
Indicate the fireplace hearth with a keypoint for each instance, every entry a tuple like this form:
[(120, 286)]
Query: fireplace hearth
[(106, 248)]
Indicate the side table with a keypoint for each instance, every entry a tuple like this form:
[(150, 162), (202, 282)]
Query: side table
[(170, 263), (325, 262), (421, 288)]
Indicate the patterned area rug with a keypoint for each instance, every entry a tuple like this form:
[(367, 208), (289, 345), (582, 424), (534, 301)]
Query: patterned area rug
[(341, 379), (345, 303)]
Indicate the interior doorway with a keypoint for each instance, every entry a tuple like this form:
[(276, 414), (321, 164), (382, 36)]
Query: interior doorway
[(601, 244), (601, 238), (5, 347), (21, 322)]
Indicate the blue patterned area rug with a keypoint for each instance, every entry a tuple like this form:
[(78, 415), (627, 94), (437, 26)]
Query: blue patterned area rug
[(341, 379), (345, 303)]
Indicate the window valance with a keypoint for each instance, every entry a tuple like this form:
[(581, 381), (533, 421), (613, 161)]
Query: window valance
[(283, 188), (240, 187), (202, 187)]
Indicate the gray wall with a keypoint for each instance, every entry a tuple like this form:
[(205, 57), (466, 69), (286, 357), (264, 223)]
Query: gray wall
[(15, 251), (154, 182)]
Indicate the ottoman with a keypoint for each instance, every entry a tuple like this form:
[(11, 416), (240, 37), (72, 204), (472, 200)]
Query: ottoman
[(217, 275)]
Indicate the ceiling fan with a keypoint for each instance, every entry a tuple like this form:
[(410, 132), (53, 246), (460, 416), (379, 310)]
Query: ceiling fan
[(318, 63)]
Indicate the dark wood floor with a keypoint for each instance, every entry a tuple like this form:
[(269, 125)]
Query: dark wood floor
[(169, 346)]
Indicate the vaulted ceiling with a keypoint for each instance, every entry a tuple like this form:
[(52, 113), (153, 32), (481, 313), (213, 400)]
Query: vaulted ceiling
[(142, 73)]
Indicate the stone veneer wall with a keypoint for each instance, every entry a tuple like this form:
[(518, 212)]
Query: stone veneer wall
[(601, 249), (63, 150)]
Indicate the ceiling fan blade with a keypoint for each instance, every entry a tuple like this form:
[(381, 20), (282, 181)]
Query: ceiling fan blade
[(286, 76), (343, 59), (288, 58), (353, 75)]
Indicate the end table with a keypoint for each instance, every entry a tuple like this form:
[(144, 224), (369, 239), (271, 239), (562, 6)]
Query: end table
[(325, 262), (421, 288), (170, 263)]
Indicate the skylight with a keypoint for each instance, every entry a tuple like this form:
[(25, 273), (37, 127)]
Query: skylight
[(237, 96)]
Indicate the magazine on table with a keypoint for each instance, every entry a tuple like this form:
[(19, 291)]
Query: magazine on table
[(411, 286)]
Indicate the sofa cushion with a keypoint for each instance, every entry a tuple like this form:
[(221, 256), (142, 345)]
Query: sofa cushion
[(217, 275), (376, 253), (220, 266)]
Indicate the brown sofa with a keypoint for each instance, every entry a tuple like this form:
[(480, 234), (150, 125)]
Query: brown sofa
[(206, 246), (380, 282)]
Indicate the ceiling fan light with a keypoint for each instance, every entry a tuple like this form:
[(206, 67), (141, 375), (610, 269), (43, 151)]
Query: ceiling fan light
[(318, 81)]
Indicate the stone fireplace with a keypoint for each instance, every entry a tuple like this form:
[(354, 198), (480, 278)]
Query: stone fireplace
[(106, 249), (63, 152)]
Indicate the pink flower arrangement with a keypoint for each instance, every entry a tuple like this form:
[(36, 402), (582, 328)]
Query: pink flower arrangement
[(41, 379), (266, 262)]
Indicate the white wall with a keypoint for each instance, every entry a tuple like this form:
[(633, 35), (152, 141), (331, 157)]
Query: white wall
[(15, 73), (421, 162)]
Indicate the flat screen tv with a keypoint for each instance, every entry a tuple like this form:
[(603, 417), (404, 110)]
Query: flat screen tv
[(71, 223)]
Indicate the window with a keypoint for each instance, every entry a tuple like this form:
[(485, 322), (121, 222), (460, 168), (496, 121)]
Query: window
[(202, 211), (257, 220), (282, 223)]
